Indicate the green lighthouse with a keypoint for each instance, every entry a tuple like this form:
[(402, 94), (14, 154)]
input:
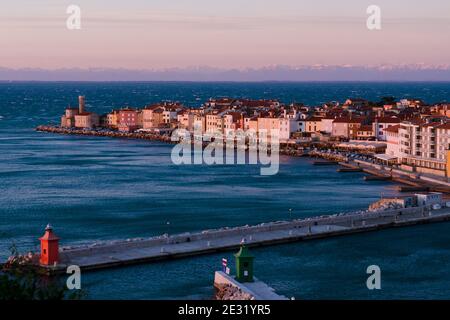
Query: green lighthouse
[(244, 264)]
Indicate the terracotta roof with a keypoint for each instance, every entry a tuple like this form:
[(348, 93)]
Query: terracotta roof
[(314, 119), (392, 128), (388, 120), (365, 128), (432, 124), (152, 107), (348, 120), (49, 235), (416, 121), (445, 126)]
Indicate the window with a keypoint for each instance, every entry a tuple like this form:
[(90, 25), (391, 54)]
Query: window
[(45, 251)]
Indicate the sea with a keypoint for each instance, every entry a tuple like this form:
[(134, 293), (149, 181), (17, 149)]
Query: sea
[(93, 189)]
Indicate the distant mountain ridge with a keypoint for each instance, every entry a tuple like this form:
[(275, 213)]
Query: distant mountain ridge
[(417, 72)]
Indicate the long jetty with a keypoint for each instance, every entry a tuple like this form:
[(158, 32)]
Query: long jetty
[(105, 133), (133, 251)]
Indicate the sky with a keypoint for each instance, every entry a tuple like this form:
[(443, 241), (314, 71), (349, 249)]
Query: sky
[(158, 34)]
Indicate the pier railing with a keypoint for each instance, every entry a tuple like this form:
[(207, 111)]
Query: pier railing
[(358, 219)]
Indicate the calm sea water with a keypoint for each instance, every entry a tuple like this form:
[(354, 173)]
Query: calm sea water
[(97, 188)]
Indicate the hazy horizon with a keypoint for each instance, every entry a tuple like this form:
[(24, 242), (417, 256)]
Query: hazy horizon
[(206, 74), (156, 35)]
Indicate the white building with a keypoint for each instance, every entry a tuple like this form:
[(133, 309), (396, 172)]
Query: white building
[(424, 144), (393, 142)]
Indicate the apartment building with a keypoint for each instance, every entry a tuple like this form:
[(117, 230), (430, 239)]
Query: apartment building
[(346, 127), (424, 143), (87, 120), (313, 124), (185, 120), (112, 119), (154, 117), (365, 132), (128, 120)]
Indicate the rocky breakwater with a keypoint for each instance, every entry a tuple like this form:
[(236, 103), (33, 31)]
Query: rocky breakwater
[(230, 292), (106, 133), (386, 204)]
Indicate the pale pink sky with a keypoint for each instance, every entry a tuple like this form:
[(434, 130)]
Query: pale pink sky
[(155, 34)]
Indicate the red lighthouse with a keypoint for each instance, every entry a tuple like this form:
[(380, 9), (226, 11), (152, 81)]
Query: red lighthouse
[(49, 247)]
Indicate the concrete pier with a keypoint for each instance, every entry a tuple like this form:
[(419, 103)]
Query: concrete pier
[(133, 251)]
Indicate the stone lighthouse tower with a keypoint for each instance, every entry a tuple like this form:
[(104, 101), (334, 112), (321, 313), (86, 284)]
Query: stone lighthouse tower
[(244, 264), (49, 247), (81, 104)]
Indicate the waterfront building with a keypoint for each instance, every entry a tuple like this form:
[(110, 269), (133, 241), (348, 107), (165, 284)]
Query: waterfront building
[(112, 119), (313, 124), (251, 123), (392, 142), (365, 132), (269, 125), (327, 124), (169, 115), (185, 120), (430, 198), (424, 145), (214, 121), (199, 123), (79, 118), (68, 119), (153, 117), (87, 120), (128, 120), (232, 121), (346, 127)]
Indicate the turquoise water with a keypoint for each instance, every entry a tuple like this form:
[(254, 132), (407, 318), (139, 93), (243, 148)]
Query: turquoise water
[(97, 188)]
